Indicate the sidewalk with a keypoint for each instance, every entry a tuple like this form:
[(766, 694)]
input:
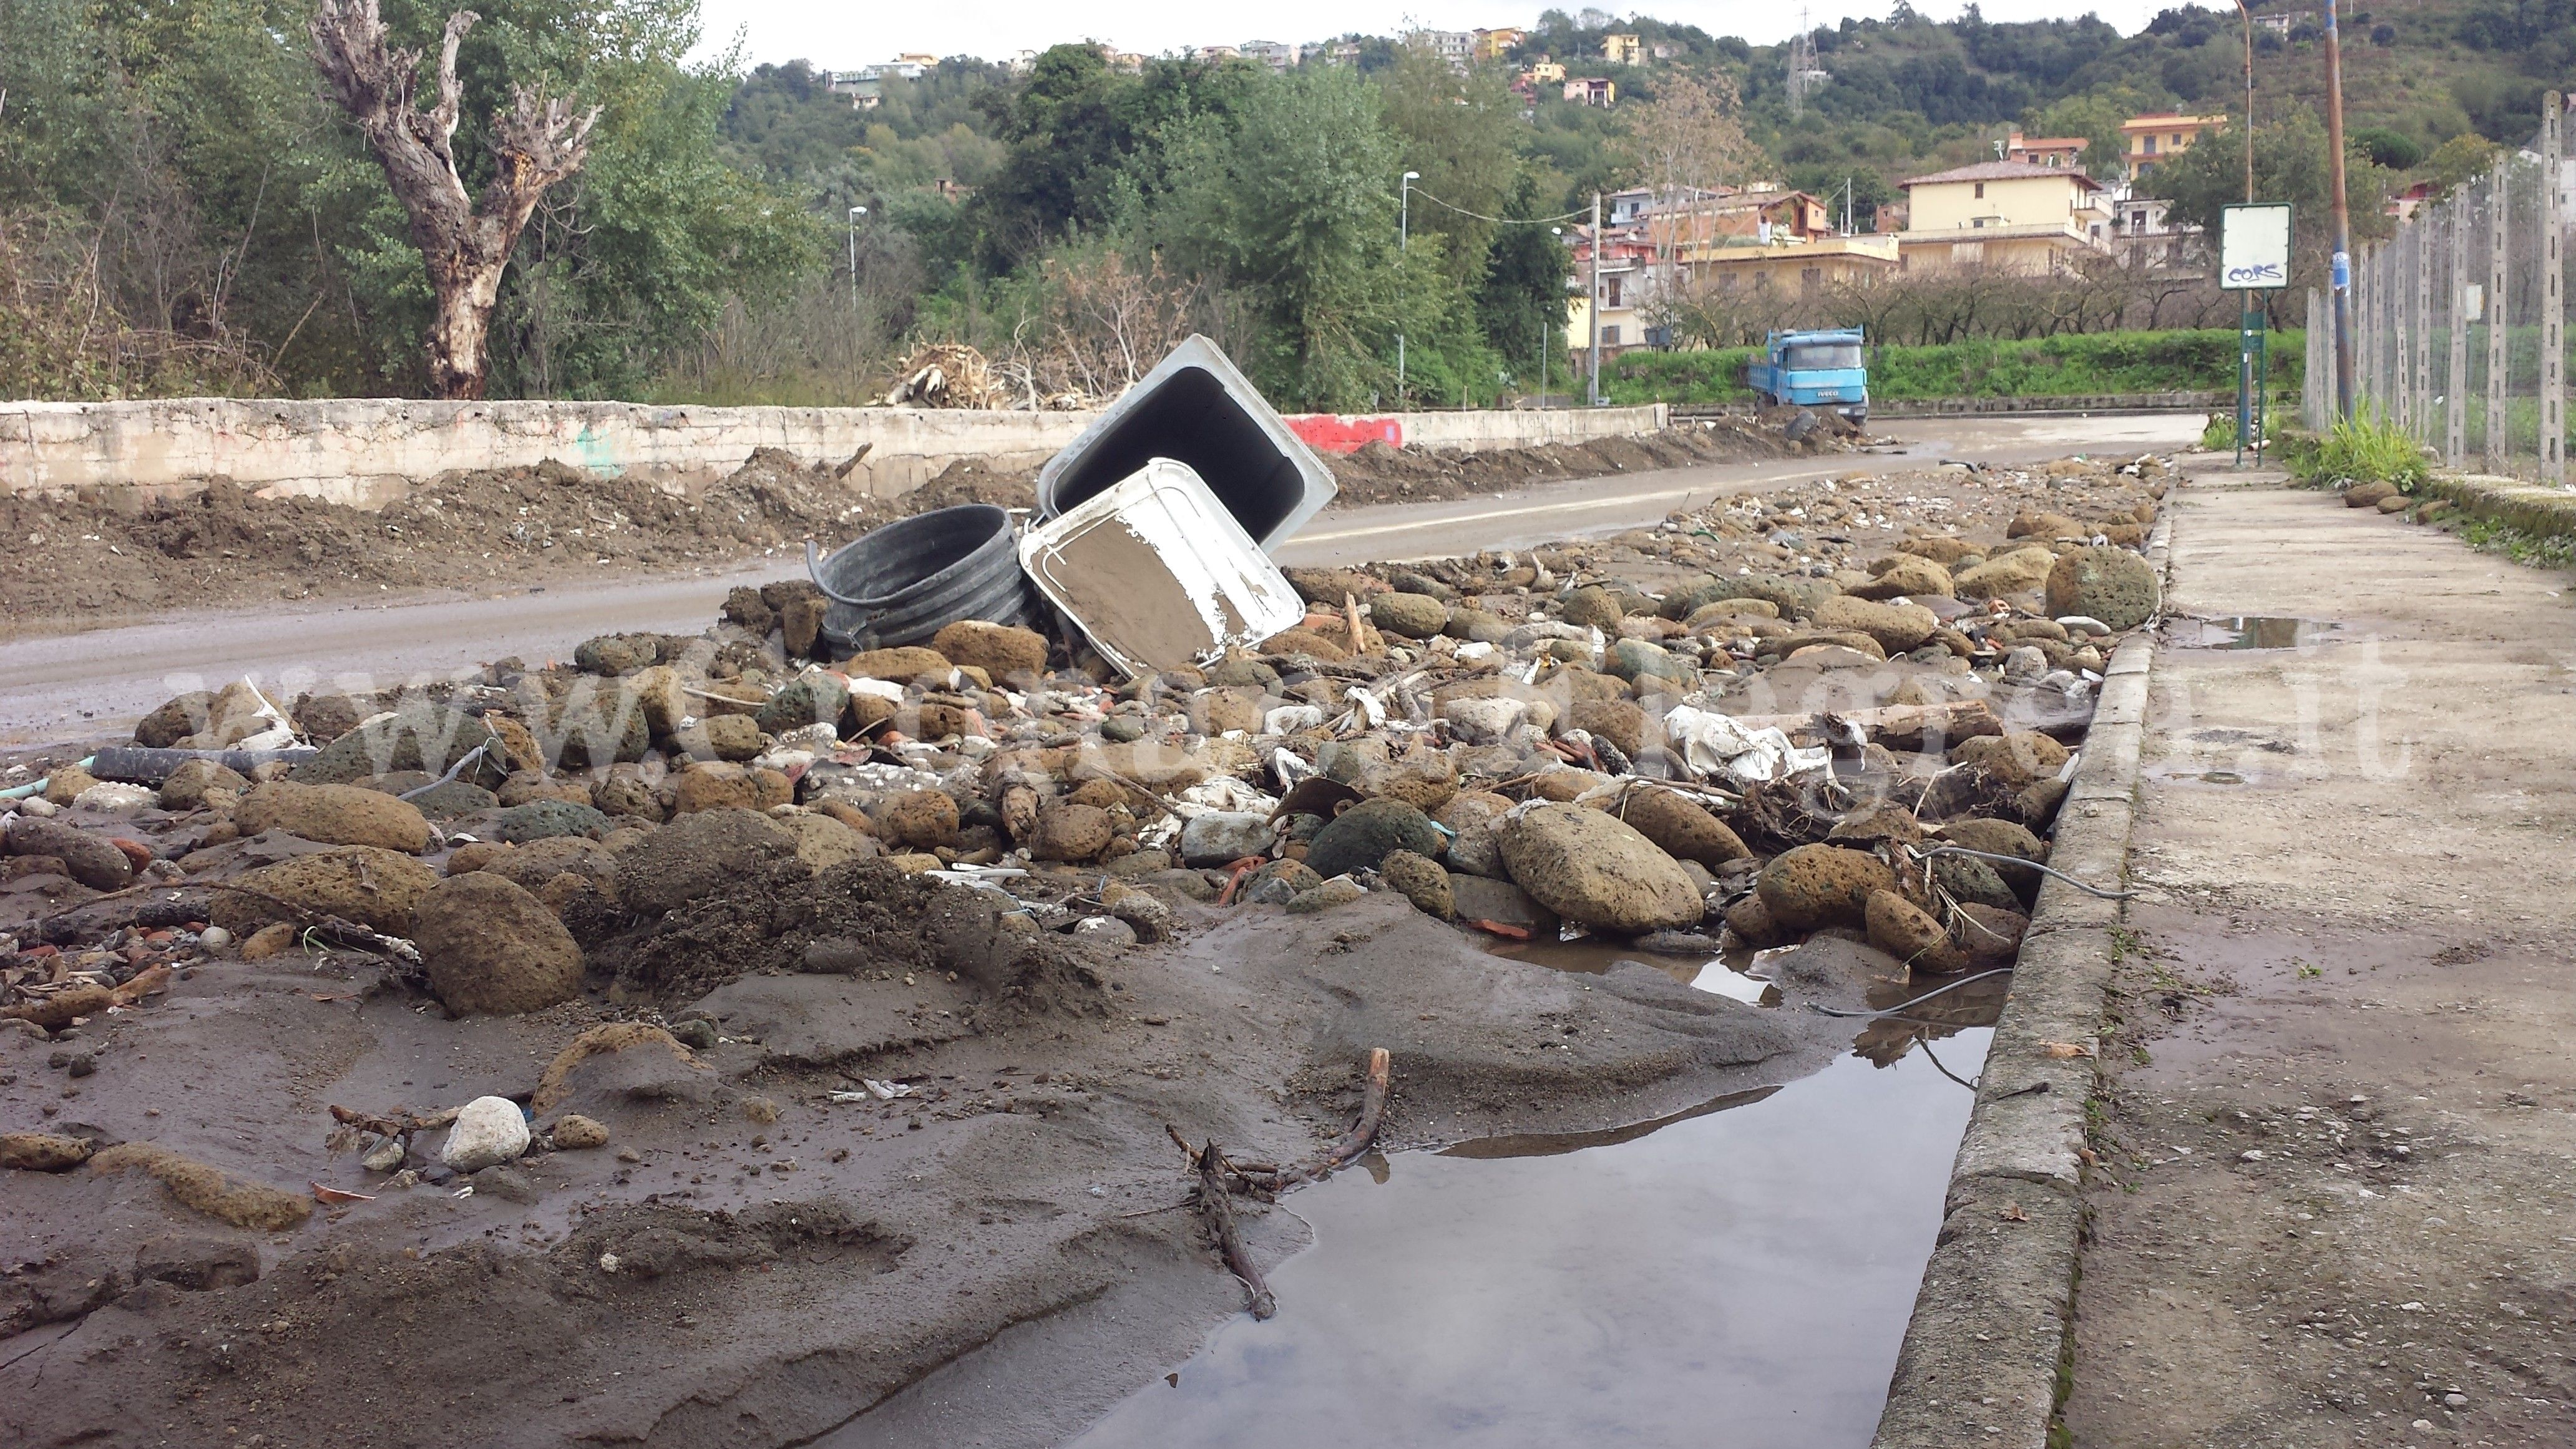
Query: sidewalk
[(2335, 1195)]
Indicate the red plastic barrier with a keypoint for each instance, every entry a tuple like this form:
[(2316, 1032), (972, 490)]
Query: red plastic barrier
[(1339, 433)]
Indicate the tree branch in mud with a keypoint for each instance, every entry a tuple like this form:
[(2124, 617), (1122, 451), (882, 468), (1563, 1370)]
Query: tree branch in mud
[(1216, 1201), (464, 243)]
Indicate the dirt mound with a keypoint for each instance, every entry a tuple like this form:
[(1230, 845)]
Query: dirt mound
[(1380, 474)]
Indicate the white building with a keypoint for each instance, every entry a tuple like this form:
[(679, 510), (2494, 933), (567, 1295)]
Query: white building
[(1278, 55)]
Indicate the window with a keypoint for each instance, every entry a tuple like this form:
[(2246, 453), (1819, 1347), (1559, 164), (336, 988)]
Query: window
[(1614, 292), (2151, 145), (1977, 221), (1609, 336), (1816, 356), (1981, 191), (1811, 280), (2177, 140)]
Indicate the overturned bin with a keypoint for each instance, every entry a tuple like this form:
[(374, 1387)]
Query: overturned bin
[(1196, 409), (1157, 574), (902, 583)]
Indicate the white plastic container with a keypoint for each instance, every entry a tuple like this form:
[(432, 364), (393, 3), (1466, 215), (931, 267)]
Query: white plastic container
[(1157, 574)]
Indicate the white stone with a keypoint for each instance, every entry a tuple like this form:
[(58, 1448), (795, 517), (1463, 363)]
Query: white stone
[(1484, 721), (488, 1132)]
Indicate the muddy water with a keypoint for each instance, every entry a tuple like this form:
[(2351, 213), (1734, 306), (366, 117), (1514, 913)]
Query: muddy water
[(1739, 1275)]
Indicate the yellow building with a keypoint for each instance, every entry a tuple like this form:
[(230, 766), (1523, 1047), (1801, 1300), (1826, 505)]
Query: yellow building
[(2013, 216), (1544, 73), (1490, 44), (1800, 269), (1622, 50), (2158, 135)]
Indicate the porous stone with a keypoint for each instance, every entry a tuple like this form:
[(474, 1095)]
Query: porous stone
[(1360, 837), (2010, 573), (333, 815), (1071, 833), (1679, 827), (1822, 885), (1221, 837), (1007, 653), (187, 787), (1907, 933), (1894, 627), (1410, 616), (723, 785), (375, 888), (489, 946), (1596, 870), (1904, 576), (924, 819), (539, 819), (2107, 583), (93, 860), (1419, 879)]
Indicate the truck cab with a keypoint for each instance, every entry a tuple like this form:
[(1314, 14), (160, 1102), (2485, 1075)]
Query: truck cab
[(1813, 370)]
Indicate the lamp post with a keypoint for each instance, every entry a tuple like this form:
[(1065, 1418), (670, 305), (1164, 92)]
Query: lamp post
[(1547, 335), (2340, 281), (1403, 243), (1592, 310), (855, 213)]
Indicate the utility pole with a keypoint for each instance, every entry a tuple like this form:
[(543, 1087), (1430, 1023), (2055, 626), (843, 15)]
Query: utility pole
[(2342, 272), (1403, 243), (1548, 335), (2249, 401), (1592, 310), (2249, 97)]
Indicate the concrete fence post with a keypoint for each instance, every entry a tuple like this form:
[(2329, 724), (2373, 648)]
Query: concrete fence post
[(2498, 234), (2402, 249), (2455, 385), (2553, 290), (2428, 236), (2309, 412)]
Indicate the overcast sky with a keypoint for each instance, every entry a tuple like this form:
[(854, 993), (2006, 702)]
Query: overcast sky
[(850, 35)]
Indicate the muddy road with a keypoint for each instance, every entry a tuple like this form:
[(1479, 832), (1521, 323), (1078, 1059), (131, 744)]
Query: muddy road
[(69, 687)]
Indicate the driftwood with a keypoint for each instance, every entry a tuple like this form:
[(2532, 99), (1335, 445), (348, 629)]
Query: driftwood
[(1215, 1201), (1363, 1132)]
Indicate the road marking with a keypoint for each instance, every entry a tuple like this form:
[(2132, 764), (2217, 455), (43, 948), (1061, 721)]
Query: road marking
[(1579, 505)]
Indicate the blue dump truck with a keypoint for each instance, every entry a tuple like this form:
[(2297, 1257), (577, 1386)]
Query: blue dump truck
[(1813, 370)]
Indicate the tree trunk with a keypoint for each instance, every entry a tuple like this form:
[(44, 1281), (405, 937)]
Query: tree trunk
[(464, 244)]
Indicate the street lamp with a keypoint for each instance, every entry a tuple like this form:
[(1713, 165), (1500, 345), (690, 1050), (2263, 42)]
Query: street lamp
[(855, 213), (1547, 334), (1403, 243)]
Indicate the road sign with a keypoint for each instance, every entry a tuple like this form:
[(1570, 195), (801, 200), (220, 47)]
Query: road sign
[(2254, 247)]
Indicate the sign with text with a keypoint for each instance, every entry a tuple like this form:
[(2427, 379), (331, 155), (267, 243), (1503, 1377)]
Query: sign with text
[(2254, 247)]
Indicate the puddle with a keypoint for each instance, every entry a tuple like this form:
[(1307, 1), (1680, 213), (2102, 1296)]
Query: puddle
[(1595, 957), (2249, 631), (1748, 1263)]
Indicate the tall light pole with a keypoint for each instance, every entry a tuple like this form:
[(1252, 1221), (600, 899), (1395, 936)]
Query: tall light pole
[(855, 213), (1403, 243), (1547, 335), (2341, 280), (1592, 312)]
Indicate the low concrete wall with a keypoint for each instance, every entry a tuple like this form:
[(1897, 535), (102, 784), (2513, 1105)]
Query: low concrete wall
[(2531, 507), (365, 451), (1950, 407)]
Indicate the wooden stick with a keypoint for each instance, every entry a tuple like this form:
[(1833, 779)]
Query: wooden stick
[(1216, 1201), (1363, 1131)]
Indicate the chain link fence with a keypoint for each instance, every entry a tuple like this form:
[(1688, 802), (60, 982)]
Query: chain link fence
[(2459, 320)]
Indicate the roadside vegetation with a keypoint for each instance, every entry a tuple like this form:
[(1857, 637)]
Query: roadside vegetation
[(2073, 365), (2364, 448)]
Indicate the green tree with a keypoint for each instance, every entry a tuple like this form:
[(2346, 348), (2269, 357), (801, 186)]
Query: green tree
[(2094, 115), (2290, 164), (1457, 129)]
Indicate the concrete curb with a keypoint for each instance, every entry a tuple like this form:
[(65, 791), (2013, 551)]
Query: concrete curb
[(1983, 1354), (2550, 512)]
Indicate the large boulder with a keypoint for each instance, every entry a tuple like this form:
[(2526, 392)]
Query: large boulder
[(2010, 573), (376, 888), (2110, 584), (1071, 833), (333, 815), (489, 946), (1360, 837), (1679, 826), (1007, 654), (93, 860), (695, 855), (1895, 627), (1822, 885), (1596, 870)]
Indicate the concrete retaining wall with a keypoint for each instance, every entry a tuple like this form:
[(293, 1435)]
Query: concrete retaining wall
[(365, 451), (2549, 512)]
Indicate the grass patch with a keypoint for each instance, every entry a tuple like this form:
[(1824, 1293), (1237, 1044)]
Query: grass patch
[(2363, 448), (2532, 550), (2075, 365)]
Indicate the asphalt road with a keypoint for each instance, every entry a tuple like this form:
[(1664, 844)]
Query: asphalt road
[(73, 687)]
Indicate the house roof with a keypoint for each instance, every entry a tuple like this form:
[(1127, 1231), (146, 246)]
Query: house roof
[(2002, 171)]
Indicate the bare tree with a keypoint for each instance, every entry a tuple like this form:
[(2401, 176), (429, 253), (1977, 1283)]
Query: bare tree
[(464, 243)]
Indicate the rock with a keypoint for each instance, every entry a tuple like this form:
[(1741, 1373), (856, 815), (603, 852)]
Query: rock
[(534, 865), (1071, 833), (1419, 879), (1010, 655), (1639, 662), (1409, 616), (1470, 815), (808, 699), (1594, 607), (92, 860), (112, 798), (1278, 883), (2011, 573), (2024, 664), (1679, 827), (195, 1264), (1596, 870), (274, 939), (723, 785), (488, 1132), (1484, 721), (2367, 495), (541, 819), (1360, 837), (1218, 711), (1223, 837), (2018, 758), (658, 692), (489, 946), (696, 855), (173, 721), (1341, 890), (1969, 880), (2003, 837), (42, 1151), (376, 888), (1476, 626), (1623, 723), (575, 1133), (449, 799), (1142, 912), (733, 737), (612, 654), (1905, 932), (333, 815), (902, 666), (187, 786), (1884, 820), (1751, 919), (1905, 576), (2106, 583), (592, 723), (527, 786), (1990, 937), (1822, 885), (924, 819), (1794, 596), (1894, 627), (1498, 901)]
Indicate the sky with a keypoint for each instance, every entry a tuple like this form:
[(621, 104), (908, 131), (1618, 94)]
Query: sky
[(842, 36)]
